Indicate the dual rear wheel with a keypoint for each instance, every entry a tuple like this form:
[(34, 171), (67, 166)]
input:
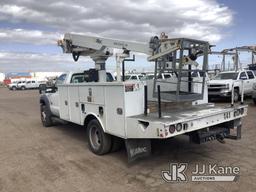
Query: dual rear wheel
[(100, 142)]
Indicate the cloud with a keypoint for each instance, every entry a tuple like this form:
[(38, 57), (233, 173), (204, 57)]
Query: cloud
[(137, 20), (129, 20), (29, 62), (20, 62), (35, 37)]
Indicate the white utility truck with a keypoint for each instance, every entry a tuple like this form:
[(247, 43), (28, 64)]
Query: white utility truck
[(114, 111), (224, 82)]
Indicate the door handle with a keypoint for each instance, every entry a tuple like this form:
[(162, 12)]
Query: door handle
[(82, 108), (66, 102), (77, 104)]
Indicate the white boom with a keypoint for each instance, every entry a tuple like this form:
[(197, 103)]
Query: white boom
[(99, 49)]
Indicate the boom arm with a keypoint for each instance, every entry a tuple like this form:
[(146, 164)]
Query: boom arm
[(99, 49)]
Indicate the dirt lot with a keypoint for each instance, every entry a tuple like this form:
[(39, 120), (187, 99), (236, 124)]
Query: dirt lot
[(34, 158)]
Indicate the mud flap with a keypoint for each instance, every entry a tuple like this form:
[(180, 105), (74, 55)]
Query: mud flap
[(137, 148)]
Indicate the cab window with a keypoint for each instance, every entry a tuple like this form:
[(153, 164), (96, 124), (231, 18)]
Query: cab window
[(109, 77), (243, 76), (134, 77), (250, 75), (140, 76), (61, 79), (77, 78), (166, 76)]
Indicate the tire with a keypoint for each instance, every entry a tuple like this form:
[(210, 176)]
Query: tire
[(46, 116), (98, 141), (14, 88), (23, 88), (236, 95)]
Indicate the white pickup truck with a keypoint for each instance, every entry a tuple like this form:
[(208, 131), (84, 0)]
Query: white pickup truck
[(221, 85), (25, 84), (29, 84), (16, 84)]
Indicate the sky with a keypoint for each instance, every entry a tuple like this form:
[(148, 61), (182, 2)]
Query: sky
[(29, 29)]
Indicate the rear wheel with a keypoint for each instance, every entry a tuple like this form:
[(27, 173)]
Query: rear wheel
[(46, 117), (98, 141), (14, 88), (23, 88)]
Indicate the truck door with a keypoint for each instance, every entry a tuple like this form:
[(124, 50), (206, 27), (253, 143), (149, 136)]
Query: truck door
[(251, 80), (33, 84), (28, 84), (63, 97), (244, 78), (64, 102)]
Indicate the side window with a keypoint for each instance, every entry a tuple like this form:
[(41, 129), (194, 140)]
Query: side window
[(243, 76), (166, 76), (159, 76), (28, 82), (77, 78), (127, 77), (140, 76), (109, 77), (250, 74), (33, 82), (61, 79), (134, 77)]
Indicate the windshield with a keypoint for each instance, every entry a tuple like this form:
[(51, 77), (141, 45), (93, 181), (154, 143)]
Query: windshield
[(232, 76)]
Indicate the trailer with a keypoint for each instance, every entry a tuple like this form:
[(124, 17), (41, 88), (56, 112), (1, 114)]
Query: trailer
[(115, 111)]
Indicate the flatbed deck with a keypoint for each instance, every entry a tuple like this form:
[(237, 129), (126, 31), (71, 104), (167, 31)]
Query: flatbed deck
[(190, 119)]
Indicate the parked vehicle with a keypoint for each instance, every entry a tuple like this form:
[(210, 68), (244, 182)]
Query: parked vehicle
[(222, 84), (29, 84), (16, 85)]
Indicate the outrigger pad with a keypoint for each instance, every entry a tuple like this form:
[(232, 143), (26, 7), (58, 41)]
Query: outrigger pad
[(137, 148)]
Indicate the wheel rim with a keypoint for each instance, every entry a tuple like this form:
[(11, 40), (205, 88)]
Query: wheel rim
[(95, 138)]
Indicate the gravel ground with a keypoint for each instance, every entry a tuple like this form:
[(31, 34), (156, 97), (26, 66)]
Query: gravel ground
[(34, 158)]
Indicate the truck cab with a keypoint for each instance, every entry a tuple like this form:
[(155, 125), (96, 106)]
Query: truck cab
[(221, 84), (71, 78)]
